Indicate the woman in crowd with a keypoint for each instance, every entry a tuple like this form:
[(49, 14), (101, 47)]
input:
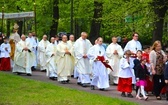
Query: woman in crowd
[(157, 60)]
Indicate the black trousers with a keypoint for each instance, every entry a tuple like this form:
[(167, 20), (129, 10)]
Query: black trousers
[(159, 83)]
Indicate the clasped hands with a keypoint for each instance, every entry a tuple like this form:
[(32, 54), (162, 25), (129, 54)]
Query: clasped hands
[(6, 49), (67, 52), (26, 49), (85, 56), (115, 52)]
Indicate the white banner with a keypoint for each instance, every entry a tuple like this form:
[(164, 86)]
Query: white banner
[(17, 15)]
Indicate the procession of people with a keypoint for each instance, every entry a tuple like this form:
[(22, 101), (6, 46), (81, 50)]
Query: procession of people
[(92, 65)]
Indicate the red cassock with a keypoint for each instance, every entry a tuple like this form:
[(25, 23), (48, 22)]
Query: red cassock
[(125, 85), (5, 64), (149, 86), (102, 59)]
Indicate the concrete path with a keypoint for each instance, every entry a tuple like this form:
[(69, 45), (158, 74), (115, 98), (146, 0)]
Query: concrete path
[(110, 92)]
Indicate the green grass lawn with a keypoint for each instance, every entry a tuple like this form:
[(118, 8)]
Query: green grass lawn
[(15, 90)]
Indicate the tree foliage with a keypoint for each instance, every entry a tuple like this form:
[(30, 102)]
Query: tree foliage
[(119, 17)]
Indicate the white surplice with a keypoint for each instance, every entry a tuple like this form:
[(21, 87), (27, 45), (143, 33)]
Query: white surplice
[(75, 72), (114, 59), (126, 69), (36, 50), (5, 53), (133, 46), (65, 62), (83, 66), (100, 73), (33, 43), (23, 59), (42, 58), (51, 60)]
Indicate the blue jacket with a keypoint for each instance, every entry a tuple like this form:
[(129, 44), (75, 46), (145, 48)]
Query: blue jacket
[(166, 71)]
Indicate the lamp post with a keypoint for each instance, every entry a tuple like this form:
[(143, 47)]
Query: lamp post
[(35, 18), (24, 22), (2, 18)]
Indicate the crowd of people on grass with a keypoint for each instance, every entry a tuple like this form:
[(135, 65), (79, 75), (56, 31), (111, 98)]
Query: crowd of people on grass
[(144, 69)]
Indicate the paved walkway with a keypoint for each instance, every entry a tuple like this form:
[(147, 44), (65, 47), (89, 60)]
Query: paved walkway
[(110, 92)]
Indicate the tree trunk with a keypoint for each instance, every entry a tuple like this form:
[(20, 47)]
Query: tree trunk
[(96, 21), (160, 9), (54, 27), (20, 24), (77, 29), (8, 28)]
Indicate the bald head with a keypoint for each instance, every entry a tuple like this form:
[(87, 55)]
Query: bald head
[(100, 40), (52, 40), (114, 40), (30, 34), (71, 38), (84, 35), (64, 38), (23, 37), (44, 37)]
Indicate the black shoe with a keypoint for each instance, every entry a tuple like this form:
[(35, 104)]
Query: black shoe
[(18, 73), (167, 96), (53, 78), (158, 98), (29, 74), (33, 68), (123, 94), (43, 70), (67, 81), (79, 83), (84, 85), (63, 82), (92, 87), (102, 89), (72, 75), (129, 95)]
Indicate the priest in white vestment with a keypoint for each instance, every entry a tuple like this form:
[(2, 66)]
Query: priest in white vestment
[(51, 60), (57, 40), (24, 57), (114, 53), (42, 58), (134, 45), (33, 43), (81, 47), (36, 49), (65, 60), (100, 73), (71, 41)]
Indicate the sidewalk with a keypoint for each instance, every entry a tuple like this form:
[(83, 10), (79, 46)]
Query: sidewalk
[(110, 92)]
